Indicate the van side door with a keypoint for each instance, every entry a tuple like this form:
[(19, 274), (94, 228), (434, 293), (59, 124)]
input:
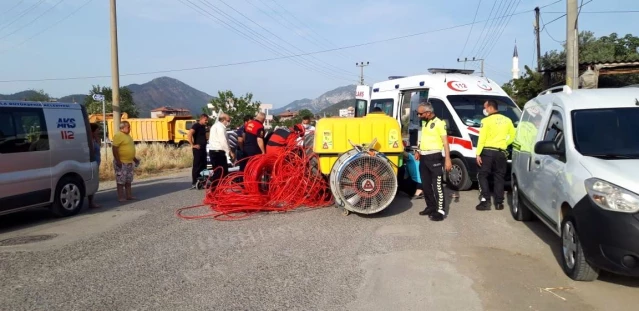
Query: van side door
[(548, 170), (25, 173)]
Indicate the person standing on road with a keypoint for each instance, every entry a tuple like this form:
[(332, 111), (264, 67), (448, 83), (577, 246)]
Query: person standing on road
[(197, 140), (496, 134), (95, 137), (434, 139), (253, 138), (219, 147), (240, 139), (124, 161)]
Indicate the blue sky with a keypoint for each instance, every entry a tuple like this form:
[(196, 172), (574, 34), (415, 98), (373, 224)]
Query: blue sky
[(167, 34)]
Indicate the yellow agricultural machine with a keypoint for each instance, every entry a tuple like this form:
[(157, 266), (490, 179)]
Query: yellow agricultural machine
[(361, 158)]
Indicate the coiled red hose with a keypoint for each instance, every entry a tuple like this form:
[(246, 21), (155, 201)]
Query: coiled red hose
[(270, 182)]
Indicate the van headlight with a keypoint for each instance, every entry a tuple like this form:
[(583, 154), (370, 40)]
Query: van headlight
[(612, 197)]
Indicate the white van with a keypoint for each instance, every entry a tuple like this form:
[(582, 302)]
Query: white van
[(46, 153), (362, 98), (458, 98), (575, 166)]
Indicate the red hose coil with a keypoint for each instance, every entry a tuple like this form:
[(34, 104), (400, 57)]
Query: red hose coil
[(294, 181)]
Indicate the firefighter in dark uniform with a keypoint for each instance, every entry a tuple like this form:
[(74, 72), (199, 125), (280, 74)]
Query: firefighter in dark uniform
[(282, 137), (431, 162), (253, 138), (496, 134)]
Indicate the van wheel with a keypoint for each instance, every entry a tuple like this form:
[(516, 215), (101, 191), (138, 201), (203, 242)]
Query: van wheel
[(518, 210), (573, 260), (69, 197), (458, 178)]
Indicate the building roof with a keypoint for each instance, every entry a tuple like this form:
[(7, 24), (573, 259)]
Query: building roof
[(288, 114), (630, 61), (168, 109)]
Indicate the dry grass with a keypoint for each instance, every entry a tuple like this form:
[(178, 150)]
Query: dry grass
[(154, 159)]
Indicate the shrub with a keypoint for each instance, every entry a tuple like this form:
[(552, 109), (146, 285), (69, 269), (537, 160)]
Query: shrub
[(154, 159)]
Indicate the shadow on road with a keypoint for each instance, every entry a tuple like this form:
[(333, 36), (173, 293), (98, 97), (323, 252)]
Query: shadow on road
[(144, 190), (554, 243)]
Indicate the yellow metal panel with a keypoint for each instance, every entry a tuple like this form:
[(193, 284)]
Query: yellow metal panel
[(332, 136)]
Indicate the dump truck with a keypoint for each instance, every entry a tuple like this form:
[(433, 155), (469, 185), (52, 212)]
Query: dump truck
[(168, 129)]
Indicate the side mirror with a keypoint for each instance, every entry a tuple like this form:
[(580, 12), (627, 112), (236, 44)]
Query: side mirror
[(547, 148)]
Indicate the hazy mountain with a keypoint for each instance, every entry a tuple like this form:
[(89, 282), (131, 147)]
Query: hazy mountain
[(323, 101), (163, 91), (333, 110)]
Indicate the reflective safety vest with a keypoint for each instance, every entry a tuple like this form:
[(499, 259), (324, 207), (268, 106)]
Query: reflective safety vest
[(497, 132), (432, 132), (526, 137)]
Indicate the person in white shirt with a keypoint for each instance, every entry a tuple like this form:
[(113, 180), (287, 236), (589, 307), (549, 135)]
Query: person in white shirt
[(219, 147), (308, 128)]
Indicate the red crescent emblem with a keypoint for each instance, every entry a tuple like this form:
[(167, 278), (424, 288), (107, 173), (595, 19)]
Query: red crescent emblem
[(457, 86), (484, 86)]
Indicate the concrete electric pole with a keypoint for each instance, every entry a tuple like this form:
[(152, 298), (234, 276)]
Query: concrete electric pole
[(474, 60), (572, 46), (361, 65), (115, 71), (537, 30)]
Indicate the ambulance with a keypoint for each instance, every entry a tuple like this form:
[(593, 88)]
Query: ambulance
[(458, 99)]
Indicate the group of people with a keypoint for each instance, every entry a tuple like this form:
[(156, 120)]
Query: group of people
[(251, 140), (496, 134)]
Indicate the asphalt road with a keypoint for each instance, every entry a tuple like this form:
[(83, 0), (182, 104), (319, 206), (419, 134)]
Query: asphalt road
[(140, 256)]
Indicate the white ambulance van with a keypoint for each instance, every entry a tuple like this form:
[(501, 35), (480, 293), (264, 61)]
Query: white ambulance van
[(458, 98), (47, 157)]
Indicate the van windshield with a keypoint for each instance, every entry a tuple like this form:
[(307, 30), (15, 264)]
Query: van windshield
[(470, 108), (609, 133), (385, 105)]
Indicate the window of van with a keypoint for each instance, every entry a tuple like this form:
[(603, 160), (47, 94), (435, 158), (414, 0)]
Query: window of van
[(470, 108), (608, 133), (22, 130), (361, 108), (385, 104)]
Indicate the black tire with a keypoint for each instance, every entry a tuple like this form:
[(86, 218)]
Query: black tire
[(458, 178), (518, 210), (69, 197), (573, 260)]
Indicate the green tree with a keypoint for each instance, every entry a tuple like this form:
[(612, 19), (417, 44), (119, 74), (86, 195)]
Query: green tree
[(591, 49), (235, 107), (126, 101), (298, 118), (38, 96)]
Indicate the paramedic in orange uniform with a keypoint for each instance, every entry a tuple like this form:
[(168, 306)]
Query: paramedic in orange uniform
[(282, 138)]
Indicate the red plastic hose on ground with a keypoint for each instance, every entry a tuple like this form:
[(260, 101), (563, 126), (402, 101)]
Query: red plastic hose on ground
[(270, 182)]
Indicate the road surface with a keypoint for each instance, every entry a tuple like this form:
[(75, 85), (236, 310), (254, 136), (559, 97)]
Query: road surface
[(140, 256)]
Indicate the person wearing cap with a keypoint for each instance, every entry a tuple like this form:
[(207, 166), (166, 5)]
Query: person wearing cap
[(434, 140), (283, 137)]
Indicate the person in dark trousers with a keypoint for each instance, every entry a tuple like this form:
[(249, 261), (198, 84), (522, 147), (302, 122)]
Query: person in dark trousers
[(496, 134), (197, 140), (240, 140), (253, 138), (219, 148), (434, 139)]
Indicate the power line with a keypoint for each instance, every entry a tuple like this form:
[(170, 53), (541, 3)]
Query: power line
[(13, 7), (33, 20), (25, 12), (46, 29), (261, 60), (483, 29), (600, 12), (471, 29), (501, 32), (482, 45)]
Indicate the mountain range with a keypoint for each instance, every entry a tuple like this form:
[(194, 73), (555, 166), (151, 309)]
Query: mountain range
[(166, 91)]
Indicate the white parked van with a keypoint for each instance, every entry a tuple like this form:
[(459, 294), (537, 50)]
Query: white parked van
[(575, 166), (46, 153), (458, 98)]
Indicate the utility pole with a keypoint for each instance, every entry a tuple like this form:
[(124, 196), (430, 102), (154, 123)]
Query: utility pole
[(361, 65), (537, 30), (481, 60), (115, 71), (572, 49)]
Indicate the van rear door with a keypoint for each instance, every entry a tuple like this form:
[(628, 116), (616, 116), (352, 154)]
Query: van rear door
[(25, 173), (362, 99)]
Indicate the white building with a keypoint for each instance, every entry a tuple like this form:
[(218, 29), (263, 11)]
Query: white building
[(265, 108), (515, 69)]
